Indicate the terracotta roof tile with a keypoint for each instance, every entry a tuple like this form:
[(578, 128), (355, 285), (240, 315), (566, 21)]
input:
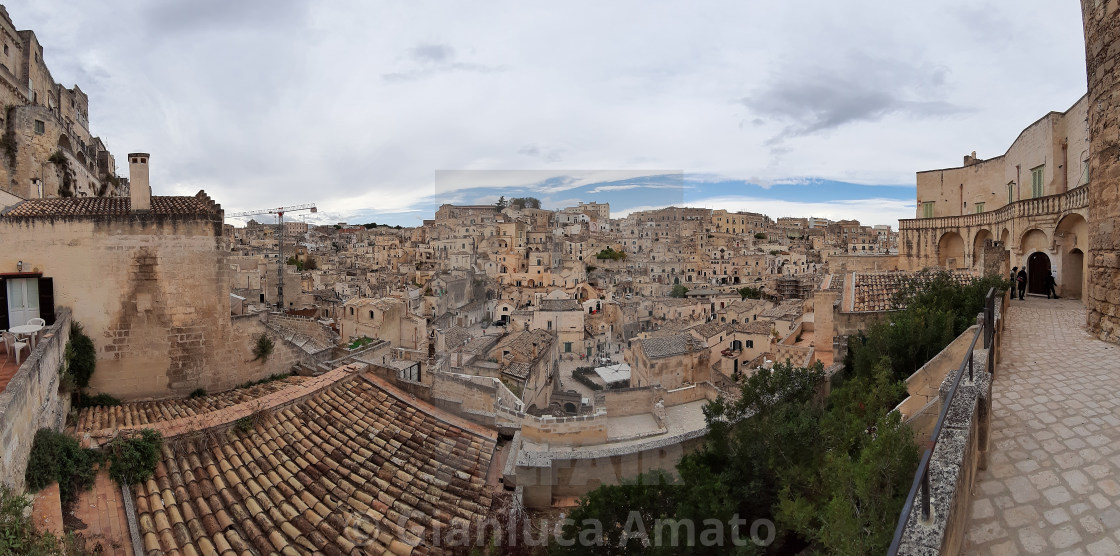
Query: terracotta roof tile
[(199, 204), (353, 466)]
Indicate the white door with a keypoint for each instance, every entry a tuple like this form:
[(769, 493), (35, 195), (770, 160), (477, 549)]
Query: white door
[(23, 300)]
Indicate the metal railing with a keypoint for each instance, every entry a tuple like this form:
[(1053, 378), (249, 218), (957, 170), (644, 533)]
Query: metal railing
[(921, 486)]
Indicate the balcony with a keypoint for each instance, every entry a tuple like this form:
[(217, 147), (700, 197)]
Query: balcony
[(1076, 198)]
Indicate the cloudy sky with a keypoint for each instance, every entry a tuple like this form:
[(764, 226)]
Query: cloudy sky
[(788, 108)]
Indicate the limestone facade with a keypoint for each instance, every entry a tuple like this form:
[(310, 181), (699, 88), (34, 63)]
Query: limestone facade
[(1032, 201), (43, 118), (1102, 56)]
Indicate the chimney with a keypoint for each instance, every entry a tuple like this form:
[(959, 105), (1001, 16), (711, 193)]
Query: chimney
[(140, 193)]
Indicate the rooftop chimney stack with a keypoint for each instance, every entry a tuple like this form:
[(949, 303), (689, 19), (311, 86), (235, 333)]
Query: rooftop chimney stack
[(140, 193)]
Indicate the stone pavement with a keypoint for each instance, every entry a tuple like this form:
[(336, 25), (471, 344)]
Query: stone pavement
[(102, 512), (1053, 480)]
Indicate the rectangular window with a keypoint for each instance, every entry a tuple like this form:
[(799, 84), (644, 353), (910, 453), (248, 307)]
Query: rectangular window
[(1010, 192), (40, 128), (1036, 181), (927, 209), (1084, 172), (979, 208), (567, 347)]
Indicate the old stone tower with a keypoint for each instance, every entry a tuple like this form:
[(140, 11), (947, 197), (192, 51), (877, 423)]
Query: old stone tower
[(1102, 62)]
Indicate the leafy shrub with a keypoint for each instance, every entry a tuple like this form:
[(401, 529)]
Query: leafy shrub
[(197, 393), (101, 400), (269, 378), (263, 348), (58, 457), (611, 254), (361, 342), (81, 356), (18, 534), (133, 458)]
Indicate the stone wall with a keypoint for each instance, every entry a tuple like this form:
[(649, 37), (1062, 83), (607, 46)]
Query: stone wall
[(152, 291), (922, 387), (958, 454), (1102, 57), (31, 400)]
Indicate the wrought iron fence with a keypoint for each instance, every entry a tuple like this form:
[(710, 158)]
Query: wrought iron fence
[(920, 488)]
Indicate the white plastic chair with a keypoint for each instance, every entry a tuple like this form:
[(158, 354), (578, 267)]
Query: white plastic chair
[(35, 337), (11, 344)]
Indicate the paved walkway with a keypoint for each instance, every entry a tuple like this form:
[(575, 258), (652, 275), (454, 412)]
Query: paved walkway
[(101, 510), (1053, 480)]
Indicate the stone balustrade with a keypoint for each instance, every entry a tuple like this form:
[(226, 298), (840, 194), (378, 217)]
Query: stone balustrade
[(1051, 204)]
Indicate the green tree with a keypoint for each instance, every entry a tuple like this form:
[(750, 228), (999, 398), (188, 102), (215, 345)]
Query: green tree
[(678, 291), (760, 235), (748, 292), (525, 202), (501, 204)]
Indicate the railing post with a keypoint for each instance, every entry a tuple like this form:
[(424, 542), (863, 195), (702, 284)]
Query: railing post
[(925, 496)]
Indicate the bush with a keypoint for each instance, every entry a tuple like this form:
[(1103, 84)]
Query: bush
[(582, 376), (133, 458), (80, 401), (56, 457), (80, 355), (678, 291), (611, 254), (18, 534), (197, 393), (263, 348), (269, 378)]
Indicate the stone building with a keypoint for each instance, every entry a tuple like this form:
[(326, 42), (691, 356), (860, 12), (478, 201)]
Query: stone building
[(147, 277), (1025, 208), (383, 319), (47, 145), (1102, 56), (669, 362)]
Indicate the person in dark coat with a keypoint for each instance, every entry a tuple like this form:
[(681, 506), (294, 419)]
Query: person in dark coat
[(1021, 281), (1051, 283), (1014, 271)]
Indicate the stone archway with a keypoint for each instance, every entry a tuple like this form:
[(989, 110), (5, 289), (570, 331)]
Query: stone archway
[(1034, 240), (978, 244), (1038, 269), (950, 251)]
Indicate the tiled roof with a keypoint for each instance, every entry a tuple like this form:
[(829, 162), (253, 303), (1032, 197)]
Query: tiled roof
[(353, 469), (669, 346), (143, 413), (455, 337), (560, 305), (785, 310), (708, 329), (199, 204), (876, 291), (761, 326)]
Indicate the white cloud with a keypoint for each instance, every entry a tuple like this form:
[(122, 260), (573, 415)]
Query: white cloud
[(283, 101)]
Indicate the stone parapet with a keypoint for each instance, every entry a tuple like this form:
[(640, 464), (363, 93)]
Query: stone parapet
[(31, 400)]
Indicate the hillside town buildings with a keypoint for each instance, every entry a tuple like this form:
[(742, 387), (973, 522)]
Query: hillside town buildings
[(414, 376)]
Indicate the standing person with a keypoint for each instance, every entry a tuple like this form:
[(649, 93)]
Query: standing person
[(1021, 281), (1014, 271), (1050, 285)]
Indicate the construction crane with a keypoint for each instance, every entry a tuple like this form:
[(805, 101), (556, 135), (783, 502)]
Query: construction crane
[(279, 212)]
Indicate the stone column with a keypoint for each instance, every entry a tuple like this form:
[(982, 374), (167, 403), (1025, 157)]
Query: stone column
[(1102, 61)]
